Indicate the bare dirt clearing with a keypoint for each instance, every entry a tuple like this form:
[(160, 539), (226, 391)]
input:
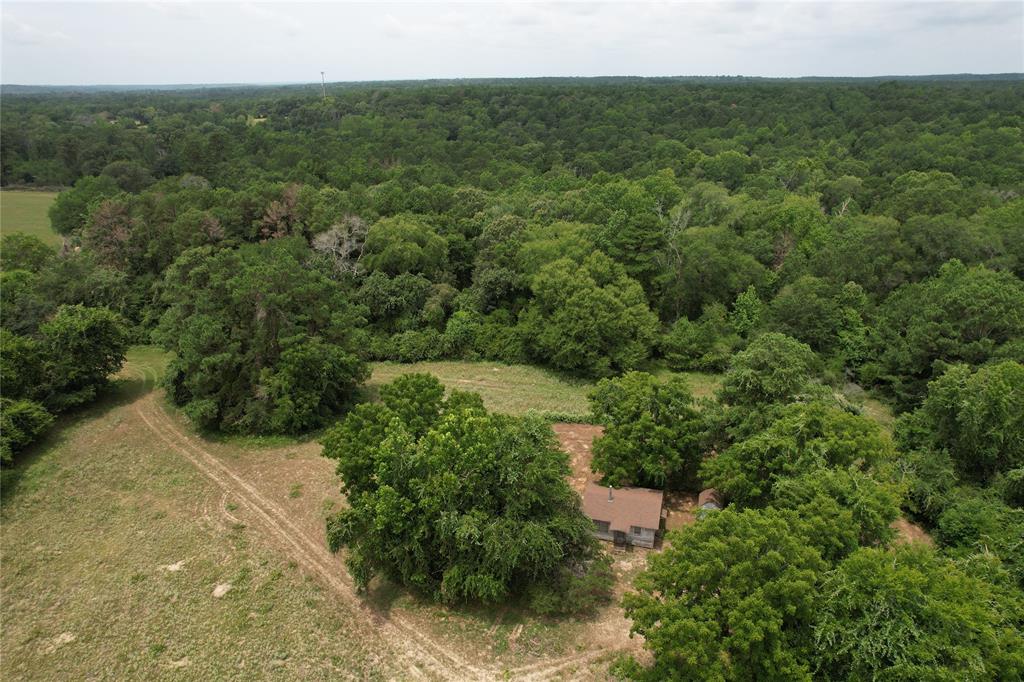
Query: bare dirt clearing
[(578, 439)]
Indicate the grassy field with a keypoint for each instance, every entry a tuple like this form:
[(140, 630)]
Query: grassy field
[(125, 557), (113, 547), (26, 211), (517, 389), (511, 389), (134, 548)]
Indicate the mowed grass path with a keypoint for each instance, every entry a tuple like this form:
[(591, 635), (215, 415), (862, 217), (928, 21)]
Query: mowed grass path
[(27, 212)]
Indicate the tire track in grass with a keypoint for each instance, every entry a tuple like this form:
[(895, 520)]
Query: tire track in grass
[(422, 654), (419, 658)]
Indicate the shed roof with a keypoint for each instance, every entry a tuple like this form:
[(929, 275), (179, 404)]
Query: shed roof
[(625, 507), (710, 496)]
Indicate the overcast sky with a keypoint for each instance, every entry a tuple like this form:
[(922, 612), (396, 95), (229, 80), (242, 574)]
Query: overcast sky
[(273, 42)]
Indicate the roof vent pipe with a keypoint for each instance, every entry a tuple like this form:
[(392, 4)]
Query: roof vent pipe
[(609, 493)]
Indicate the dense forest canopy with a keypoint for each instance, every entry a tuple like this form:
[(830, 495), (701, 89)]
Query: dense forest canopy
[(587, 225), (808, 241)]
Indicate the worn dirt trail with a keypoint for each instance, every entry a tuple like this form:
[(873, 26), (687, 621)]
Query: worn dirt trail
[(419, 654)]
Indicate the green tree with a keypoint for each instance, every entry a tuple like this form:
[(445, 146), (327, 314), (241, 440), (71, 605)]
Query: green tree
[(652, 431), (262, 343), (804, 438), (456, 503), (70, 211), (979, 523), (907, 614), (728, 168), (920, 192), (547, 243), (588, 317), (871, 506), (868, 250), (628, 225), (404, 244), (24, 252), (705, 265), (747, 312), (732, 597), (706, 345), (960, 315), (827, 317), (978, 417), (774, 368), (24, 305), (21, 366), (82, 347), (130, 176)]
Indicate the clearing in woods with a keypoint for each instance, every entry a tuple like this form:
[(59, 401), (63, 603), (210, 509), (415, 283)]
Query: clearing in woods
[(134, 546), (517, 389), (512, 389), (27, 212)]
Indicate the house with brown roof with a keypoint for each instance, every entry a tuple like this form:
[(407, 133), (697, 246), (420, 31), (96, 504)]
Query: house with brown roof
[(624, 515)]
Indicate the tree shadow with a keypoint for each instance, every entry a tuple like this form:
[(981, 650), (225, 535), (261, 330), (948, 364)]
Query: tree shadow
[(383, 596)]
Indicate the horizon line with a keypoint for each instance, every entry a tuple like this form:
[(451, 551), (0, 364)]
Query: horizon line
[(1015, 74)]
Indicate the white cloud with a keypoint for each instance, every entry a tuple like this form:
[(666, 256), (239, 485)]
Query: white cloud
[(173, 42), (22, 33)]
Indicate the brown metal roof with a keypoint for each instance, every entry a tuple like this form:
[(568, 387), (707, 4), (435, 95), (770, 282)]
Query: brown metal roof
[(627, 506), (712, 496)]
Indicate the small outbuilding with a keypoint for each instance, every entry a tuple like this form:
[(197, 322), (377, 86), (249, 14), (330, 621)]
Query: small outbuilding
[(624, 515), (710, 500)]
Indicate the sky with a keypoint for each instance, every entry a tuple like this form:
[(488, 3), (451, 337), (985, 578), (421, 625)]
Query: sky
[(83, 43)]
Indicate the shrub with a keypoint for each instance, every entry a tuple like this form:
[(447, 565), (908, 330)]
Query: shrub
[(417, 346), (21, 422), (706, 345)]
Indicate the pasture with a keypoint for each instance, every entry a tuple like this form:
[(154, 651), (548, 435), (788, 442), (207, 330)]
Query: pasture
[(518, 389), (26, 212), (136, 547), (511, 389)]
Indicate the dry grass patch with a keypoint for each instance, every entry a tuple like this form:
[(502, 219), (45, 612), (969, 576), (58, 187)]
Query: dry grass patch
[(113, 547)]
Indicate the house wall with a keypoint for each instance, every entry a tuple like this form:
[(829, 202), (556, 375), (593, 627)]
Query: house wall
[(645, 539)]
